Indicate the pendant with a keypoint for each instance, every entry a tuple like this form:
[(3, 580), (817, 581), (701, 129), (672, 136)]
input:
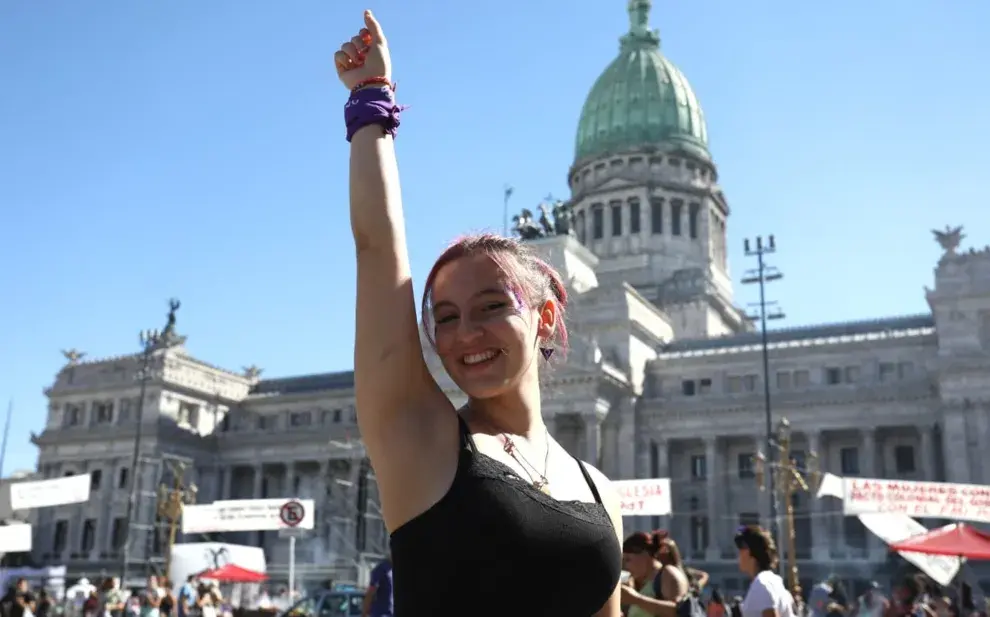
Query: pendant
[(542, 485)]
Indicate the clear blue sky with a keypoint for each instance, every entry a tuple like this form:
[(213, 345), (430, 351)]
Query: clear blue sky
[(195, 148)]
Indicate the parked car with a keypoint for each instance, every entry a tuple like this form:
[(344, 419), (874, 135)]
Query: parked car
[(341, 601)]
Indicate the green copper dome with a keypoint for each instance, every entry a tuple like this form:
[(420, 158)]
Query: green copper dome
[(641, 100)]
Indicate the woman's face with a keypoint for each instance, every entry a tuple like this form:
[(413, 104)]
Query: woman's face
[(640, 565), (746, 561), (486, 338)]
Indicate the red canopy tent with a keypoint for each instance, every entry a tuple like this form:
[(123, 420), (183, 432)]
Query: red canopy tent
[(956, 540), (231, 573)]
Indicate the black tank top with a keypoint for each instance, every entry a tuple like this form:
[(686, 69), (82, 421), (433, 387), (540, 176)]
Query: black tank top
[(495, 545)]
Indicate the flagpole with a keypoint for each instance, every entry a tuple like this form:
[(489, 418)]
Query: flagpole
[(505, 209), (6, 432)]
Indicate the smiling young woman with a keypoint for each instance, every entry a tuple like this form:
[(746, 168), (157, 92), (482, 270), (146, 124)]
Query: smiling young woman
[(488, 514)]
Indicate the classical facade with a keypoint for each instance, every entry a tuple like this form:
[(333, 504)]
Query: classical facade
[(239, 437), (664, 377)]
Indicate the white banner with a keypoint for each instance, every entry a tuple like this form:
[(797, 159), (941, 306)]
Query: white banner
[(961, 502), (249, 515), (895, 527), (644, 497), (892, 528), (830, 486), (48, 493), (195, 557), (15, 538)]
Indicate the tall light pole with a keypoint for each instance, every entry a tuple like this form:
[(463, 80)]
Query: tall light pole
[(171, 500), (768, 311), (151, 342), (506, 196), (6, 432), (791, 478)]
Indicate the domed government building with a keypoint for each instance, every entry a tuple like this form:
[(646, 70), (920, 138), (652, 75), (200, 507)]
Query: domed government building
[(665, 377)]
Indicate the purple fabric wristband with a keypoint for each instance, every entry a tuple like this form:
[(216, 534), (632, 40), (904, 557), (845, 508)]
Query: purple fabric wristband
[(372, 106)]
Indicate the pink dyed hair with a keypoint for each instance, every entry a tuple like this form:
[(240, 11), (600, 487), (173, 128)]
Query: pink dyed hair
[(532, 279)]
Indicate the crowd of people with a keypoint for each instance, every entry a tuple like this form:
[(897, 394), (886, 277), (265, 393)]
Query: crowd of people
[(158, 598), (661, 584), (915, 596), (107, 599)]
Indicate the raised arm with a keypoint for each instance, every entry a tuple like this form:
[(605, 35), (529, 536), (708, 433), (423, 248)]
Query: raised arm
[(698, 578), (393, 387)]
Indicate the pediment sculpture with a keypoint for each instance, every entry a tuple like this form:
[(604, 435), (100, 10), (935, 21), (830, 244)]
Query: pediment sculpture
[(949, 239), (73, 355), (556, 219)]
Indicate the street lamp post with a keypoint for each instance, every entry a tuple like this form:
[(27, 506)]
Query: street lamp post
[(151, 342), (768, 311), (170, 503), (791, 477)]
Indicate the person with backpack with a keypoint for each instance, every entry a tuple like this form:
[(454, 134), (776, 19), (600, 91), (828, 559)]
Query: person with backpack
[(655, 588)]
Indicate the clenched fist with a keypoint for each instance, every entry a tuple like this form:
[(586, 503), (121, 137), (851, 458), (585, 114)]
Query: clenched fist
[(365, 56)]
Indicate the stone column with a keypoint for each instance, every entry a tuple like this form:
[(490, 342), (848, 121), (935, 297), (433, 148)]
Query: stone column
[(658, 446), (104, 530), (105, 519), (226, 482), (868, 469), (644, 449), (983, 443), (711, 479), (819, 521), (955, 443), (258, 477), (927, 459), (726, 522), (661, 447), (290, 480), (322, 503), (77, 522), (626, 435), (551, 424), (592, 438), (868, 459)]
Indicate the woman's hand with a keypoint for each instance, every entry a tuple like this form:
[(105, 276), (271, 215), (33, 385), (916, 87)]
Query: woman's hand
[(365, 56)]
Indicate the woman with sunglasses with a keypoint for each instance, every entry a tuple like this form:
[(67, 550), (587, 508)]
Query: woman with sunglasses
[(767, 595)]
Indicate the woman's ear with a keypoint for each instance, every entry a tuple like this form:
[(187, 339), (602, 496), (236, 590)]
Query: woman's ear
[(548, 321)]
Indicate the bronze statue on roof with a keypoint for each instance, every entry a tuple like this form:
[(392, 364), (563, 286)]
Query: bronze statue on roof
[(949, 239), (556, 219)]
